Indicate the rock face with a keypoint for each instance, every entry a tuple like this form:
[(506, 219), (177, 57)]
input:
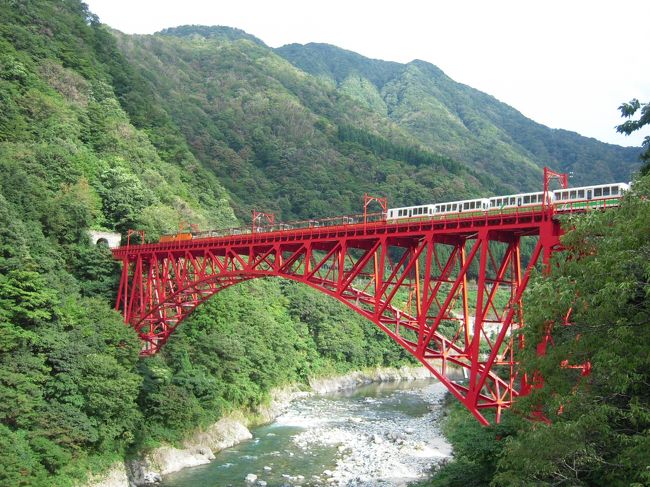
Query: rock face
[(200, 448), (116, 476)]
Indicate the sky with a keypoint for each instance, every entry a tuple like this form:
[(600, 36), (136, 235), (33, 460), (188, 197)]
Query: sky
[(564, 63)]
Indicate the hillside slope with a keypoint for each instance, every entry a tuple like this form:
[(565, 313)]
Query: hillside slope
[(282, 140), (463, 123)]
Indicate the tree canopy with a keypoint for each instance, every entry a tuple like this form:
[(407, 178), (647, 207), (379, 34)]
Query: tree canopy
[(628, 110)]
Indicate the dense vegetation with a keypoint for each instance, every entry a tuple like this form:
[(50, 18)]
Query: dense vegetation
[(281, 140), (104, 131), (83, 145), (599, 431)]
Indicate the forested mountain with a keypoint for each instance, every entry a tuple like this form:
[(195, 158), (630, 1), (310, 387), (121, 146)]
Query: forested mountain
[(303, 145), (282, 140), (100, 130), (460, 122)]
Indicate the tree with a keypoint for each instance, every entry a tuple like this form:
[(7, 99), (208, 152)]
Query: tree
[(600, 423), (628, 110)]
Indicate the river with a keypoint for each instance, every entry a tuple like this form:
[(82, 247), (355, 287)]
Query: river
[(377, 435)]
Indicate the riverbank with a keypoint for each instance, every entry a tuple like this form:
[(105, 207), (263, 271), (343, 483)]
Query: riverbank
[(200, 448)]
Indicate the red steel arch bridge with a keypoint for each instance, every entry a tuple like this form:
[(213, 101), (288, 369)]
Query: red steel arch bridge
[(449, 290)]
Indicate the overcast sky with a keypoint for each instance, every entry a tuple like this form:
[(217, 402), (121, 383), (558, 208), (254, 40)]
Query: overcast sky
[(563, 63)]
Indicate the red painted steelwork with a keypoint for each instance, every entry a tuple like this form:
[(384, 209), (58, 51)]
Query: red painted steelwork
[(419, 281)]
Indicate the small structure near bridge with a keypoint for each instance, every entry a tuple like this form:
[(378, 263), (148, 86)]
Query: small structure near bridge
[(111, 239)]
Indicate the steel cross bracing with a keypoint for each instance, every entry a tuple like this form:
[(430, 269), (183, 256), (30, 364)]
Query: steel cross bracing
[(449, 292)]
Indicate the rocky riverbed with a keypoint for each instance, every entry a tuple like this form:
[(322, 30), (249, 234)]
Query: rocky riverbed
[(380, 435), (353, 442)]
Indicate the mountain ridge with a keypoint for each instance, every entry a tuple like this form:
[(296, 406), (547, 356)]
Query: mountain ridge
[(462, 111)]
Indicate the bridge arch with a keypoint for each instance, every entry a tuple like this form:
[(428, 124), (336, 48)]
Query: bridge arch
[(409, 280)]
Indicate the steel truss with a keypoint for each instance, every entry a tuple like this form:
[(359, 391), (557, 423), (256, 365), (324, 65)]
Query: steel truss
[(449, 292)]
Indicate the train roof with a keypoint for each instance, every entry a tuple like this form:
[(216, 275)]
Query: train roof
[(627, 185), (412, 206), (515, 195), (460, 201)]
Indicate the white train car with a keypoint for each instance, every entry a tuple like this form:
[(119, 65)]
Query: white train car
[(521, 200), (465, 206), (588, 193), (422, 211), (475, 206)]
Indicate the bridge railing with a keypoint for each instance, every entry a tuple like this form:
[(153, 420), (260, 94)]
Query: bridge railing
[(294, 225)]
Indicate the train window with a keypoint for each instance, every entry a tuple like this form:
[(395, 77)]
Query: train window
[(512, 201), (572, 195), (614, 190), (448, 207), (466, 205), (581, 194), (526, 200), (606, 191), (455, 207), (598, 192)]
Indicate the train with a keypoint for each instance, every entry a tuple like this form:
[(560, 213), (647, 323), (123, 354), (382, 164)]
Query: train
[(570, 199), (595, 196)]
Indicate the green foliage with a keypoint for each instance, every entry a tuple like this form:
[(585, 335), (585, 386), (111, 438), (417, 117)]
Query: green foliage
[(606, 415), (20, 465), (476, 448), (628, 110), (412, 155), (599, 427)]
